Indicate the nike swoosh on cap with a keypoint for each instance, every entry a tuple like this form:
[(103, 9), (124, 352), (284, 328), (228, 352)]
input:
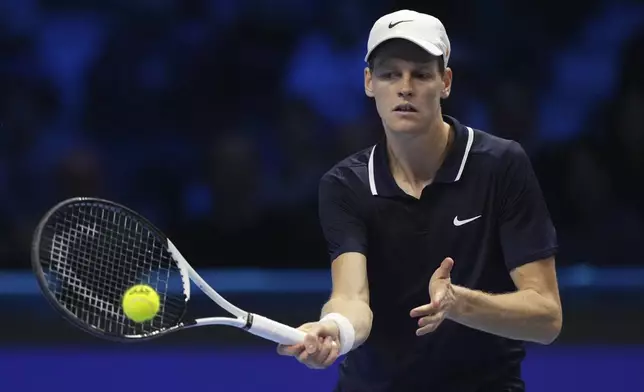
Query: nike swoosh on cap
[(392, 24)]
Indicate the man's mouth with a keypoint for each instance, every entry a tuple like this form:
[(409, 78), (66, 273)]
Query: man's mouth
[(405, 108)]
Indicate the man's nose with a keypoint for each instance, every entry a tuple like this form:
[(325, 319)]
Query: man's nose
[(406, 89)]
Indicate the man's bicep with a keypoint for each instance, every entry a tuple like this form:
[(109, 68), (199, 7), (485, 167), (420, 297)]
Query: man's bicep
[(340, 218), (349, 276), (525, 226)]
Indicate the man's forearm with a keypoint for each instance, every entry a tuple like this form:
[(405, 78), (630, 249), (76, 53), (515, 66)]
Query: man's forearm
[(357, 311), (521, 315)]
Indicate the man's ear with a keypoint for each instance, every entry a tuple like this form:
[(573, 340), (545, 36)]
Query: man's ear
[(368, 80), (447, 83)]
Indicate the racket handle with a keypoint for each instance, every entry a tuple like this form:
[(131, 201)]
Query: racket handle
[(275, 331)]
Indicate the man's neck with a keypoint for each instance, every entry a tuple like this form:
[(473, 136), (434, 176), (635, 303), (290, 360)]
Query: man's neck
[(415, 158)]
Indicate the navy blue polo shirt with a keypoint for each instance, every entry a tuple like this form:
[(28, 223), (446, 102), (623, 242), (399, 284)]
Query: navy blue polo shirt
[(485, 210)]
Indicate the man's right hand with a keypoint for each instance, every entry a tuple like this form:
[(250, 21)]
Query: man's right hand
[(320, 347)]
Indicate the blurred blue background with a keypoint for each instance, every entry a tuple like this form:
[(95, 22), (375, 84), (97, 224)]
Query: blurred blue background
[(216, 119)]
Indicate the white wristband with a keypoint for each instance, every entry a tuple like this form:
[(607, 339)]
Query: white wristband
[(347, 332)]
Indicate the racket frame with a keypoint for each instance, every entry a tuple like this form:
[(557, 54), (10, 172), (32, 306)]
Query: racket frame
[(253, 323)]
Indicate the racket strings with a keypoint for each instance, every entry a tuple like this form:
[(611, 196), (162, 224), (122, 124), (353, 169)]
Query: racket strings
[(95, 253)]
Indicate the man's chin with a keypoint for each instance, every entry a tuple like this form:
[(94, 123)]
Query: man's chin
[(404, 126)]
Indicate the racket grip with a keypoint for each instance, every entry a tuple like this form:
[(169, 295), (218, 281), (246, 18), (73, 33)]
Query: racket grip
[(275, 331)]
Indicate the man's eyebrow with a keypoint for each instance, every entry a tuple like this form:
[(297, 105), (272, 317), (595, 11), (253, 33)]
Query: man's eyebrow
[(425, 66), (383, 63)]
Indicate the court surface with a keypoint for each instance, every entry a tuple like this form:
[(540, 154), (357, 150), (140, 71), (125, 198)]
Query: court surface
[(130, 368)]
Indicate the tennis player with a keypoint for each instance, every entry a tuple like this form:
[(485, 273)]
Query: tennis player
[(442, 246)]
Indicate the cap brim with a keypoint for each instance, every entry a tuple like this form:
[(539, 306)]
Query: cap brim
[(426, 45)]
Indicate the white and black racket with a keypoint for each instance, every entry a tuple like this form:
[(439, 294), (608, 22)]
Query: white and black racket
[(87, 252)]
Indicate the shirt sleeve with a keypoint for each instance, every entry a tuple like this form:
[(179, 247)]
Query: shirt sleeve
[(526, 230), (342, 225)]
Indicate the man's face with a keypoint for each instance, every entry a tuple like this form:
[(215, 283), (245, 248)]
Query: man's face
[(407, 86)]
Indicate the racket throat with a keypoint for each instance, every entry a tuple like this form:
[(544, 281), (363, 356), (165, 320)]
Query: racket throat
[(249, 322)]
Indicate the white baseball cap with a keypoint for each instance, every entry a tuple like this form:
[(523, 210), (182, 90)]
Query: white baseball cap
[(424, 30)]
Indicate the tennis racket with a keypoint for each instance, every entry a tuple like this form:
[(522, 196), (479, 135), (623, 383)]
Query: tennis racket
[(87, 252)]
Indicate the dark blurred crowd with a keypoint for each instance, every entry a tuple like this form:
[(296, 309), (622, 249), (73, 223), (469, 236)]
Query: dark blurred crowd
[(216, 119)]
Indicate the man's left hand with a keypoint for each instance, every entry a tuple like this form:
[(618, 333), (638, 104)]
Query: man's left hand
[(442, 297)]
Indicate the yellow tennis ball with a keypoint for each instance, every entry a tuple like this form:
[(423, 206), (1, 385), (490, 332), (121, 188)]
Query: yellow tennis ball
[(141, 303)]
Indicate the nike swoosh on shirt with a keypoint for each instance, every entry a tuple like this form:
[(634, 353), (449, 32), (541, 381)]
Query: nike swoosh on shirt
[(458, 222)]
